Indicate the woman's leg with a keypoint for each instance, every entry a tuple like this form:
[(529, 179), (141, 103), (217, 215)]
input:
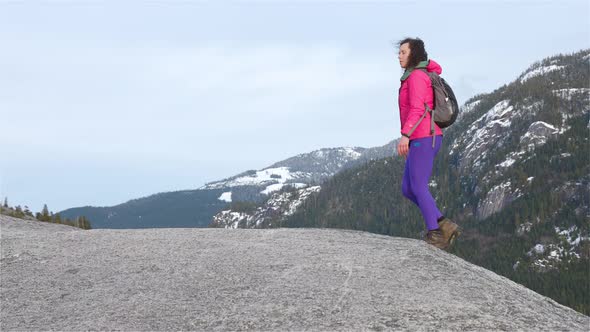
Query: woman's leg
[(420, 159), (406, 186)]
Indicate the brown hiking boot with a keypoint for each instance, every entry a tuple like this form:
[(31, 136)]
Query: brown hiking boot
[(436, 238), (450, 231)]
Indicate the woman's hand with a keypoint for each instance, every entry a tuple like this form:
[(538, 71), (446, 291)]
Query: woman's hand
[(403, 146)]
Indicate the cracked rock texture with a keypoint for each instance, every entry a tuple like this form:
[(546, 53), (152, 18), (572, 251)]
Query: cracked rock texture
[(56, 277)]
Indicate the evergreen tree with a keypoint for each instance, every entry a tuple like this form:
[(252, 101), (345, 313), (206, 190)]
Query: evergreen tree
[(45, 214), (18, 212), (27, 212)]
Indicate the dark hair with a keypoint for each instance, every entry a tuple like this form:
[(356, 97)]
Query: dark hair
[(417, 51)]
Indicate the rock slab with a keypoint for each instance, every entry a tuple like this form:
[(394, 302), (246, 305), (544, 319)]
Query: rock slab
[(56, 277)]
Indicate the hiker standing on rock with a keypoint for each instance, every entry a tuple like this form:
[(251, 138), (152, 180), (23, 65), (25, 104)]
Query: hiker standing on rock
[(418, 144)]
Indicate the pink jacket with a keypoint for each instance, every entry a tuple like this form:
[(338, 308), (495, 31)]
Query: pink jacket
[(416, 90)]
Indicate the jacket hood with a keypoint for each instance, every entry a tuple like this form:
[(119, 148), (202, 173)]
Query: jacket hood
[(429, 65)]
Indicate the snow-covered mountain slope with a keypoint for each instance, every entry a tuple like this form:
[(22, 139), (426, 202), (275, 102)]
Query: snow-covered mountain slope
[(538, 71), (278, 207), (273, 179), (306, 169)]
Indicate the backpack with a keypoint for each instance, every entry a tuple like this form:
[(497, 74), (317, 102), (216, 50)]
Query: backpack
[(446, 108)]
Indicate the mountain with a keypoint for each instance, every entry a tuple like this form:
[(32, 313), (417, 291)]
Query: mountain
[(191, 208), (514, 171), (272, 212), (196, 208), (204, 279), (299, 171)]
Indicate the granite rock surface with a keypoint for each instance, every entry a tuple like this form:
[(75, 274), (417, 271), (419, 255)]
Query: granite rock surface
[(56, 277)]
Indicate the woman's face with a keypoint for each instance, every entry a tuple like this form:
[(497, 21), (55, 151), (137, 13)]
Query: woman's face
[(404, 55)]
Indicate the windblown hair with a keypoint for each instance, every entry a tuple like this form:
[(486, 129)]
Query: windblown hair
[(417, 51)]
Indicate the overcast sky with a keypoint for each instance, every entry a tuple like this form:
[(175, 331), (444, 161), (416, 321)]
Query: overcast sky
[(106, 101)]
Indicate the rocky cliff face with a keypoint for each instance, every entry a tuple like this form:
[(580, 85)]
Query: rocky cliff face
[(56, 277), (500, 130), (495, 200)]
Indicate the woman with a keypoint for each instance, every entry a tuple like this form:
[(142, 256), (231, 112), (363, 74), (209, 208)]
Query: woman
[(416, 141)]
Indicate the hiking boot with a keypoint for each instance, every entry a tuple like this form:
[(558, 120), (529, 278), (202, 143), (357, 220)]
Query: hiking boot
[(436, 238), (450, 231)]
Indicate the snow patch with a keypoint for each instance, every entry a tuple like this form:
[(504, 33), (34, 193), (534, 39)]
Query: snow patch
[(303, 195), (515, 266), (537, 249), (547, 255), (351, 153), (226, 196), (232, 218), (279, 205), (571, 235), (265, 176), (569, 93), (272, 188), (531, 139), (539, 71), (507, 163), (524, 228), (491, 118), (517, 193), (467, 108)]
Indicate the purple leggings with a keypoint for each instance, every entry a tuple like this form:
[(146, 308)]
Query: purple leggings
[(416, 175)]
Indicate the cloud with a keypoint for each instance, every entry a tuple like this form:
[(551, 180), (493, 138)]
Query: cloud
[(280, 72), (130, 101)]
